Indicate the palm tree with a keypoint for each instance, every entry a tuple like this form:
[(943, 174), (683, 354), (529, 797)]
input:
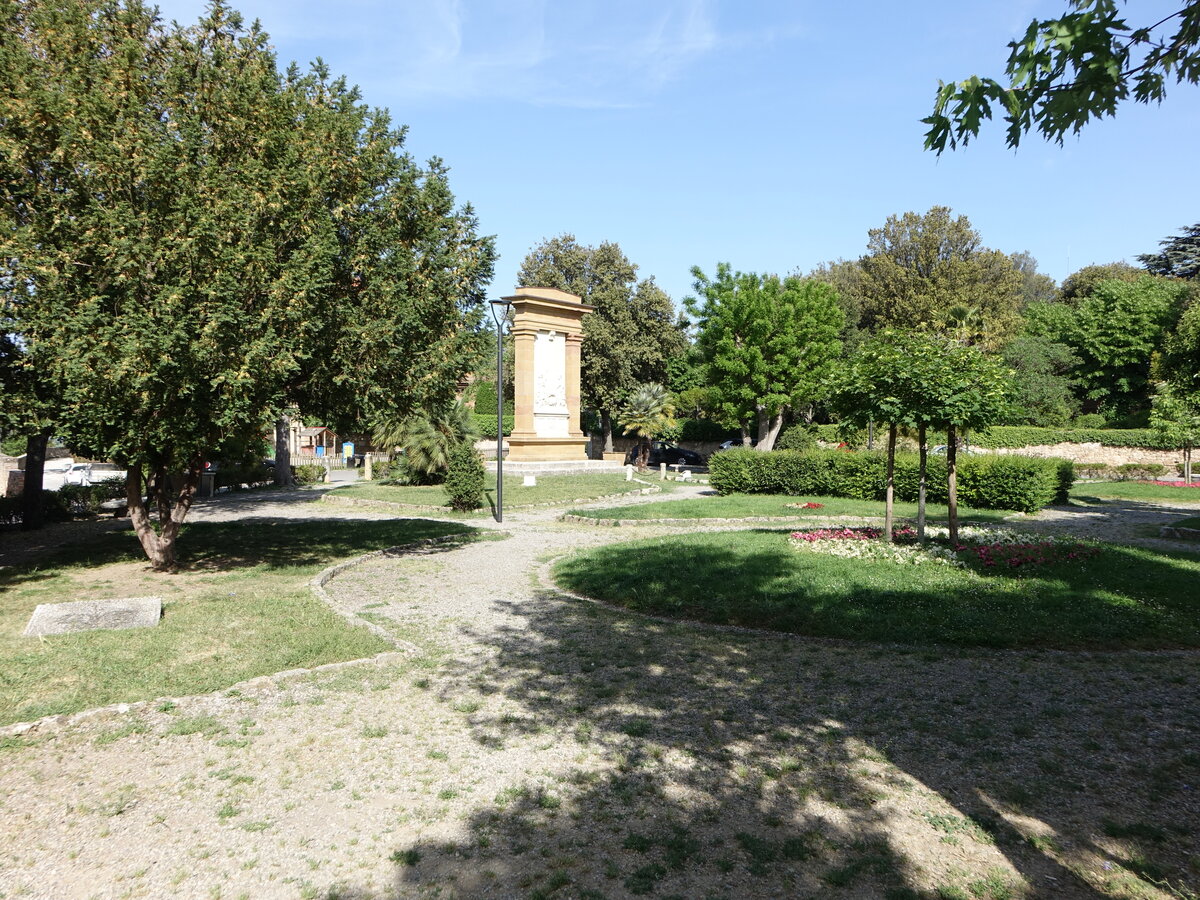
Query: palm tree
[(428, 440), (648, 412)]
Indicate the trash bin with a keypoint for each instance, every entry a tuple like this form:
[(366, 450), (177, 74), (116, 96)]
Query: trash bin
[(208, 484)]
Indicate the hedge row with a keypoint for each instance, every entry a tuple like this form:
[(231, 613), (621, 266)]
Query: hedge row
[(1012, 436), (1016, 436), (487, 425), (1019, 483)]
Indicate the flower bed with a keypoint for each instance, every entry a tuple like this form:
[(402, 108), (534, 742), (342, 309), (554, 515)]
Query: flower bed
[(987, 548), (1194, 484)]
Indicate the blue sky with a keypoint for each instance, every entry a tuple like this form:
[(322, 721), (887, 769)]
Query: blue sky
[(771, 135)]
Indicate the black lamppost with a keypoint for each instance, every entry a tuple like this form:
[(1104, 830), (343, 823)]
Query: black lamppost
[(500, 310)]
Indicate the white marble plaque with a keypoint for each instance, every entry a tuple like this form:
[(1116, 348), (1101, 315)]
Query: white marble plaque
[(89, 615)]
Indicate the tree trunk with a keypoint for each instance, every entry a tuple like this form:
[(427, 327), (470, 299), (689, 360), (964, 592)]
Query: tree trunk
[(890, 496), (921, 484), (1187, 464), (33, 509), (952, 483), (283, 453), (745, 434), (606, 430), (158, 538), (768, 430)]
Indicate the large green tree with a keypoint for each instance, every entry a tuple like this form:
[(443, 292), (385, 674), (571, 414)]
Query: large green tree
[(930, 271), (1079, 285), (1179, 257), (194, 241), (1066, 71), (1179, 362), (632, 331), (1043, 381), (769, 344), (1117, 330)]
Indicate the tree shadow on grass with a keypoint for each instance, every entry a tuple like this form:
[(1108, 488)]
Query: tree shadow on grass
[(703, 763), (247, 543), (1122, 597)]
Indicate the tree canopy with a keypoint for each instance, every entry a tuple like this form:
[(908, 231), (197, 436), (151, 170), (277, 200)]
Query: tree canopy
[(1066, 71), (632, 331), (1116, 331), (194, 241), (769, 344), (1179, 257), (930, 271)]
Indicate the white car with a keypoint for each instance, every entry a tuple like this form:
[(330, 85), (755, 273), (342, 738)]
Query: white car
[(734, 445)]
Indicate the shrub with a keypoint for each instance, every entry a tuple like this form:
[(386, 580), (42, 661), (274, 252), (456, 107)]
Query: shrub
[(1090, 420), (78, 500), (1093, 471), (465, 478), (234, 476), (10, 510), (485, 400), (311, 474), (1066, 480), (486, 425), (796, 437), (1022, 483), (1019, 483), (1140, 471)]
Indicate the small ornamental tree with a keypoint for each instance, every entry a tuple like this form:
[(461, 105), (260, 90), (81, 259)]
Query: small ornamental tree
[(868, 393), (648, 413), (924, 380), (965, 388), (1175, 418)]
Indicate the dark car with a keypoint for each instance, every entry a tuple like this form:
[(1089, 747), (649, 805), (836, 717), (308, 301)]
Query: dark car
[(661, 452)]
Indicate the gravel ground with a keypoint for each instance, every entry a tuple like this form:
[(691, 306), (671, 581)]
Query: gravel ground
[(541, 746)]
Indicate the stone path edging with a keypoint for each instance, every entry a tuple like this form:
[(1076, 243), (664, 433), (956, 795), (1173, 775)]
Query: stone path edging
[(318, 582)]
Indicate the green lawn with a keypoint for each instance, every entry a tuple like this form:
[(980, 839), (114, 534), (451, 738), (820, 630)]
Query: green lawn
[(734, 506), (1123, 597), (1134, 490), (240, 608), (549, 489)]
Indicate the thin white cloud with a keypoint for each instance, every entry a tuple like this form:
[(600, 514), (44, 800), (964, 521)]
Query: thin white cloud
[(583, 53)]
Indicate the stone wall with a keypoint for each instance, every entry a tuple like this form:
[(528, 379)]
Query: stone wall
[(11, 477), (1098, 453)]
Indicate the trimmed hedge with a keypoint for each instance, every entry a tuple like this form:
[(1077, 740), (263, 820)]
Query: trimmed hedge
[(1012, 437), (465, 478), (487, 425), (310, 474), (1020, 483), (485, 399)]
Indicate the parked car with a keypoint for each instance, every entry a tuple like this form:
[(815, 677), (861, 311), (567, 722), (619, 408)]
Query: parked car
[(735, 444), (662, 452)]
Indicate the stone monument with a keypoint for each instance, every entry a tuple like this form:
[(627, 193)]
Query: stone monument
[(547, 333)]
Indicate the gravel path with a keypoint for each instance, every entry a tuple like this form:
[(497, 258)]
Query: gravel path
[(545, 747)]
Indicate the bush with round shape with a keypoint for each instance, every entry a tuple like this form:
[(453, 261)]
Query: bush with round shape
[(465, 478)]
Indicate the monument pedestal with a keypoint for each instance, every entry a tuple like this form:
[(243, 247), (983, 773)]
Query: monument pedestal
[(547, 334)]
